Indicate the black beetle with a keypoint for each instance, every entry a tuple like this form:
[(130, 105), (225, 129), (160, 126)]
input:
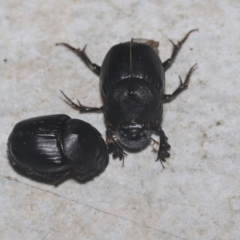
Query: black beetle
[(56, 146), (132, 79)]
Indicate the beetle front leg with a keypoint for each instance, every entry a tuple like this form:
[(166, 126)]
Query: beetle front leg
[(163, 147), (113, 147), (181, 87), (81, 53), (80, 107), (60, 179), (176, 48)]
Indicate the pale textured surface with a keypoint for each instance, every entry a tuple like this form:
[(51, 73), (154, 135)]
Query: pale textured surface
[(197, 196)]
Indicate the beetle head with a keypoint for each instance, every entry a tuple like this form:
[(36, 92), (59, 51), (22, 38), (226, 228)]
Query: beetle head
[(134, 134)]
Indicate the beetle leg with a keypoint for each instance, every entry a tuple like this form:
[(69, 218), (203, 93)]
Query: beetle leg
[(54, 179), (81, 53), (113, 147), (176, 48), (182, 86), (80, 107), (163, 148), (59, 179)]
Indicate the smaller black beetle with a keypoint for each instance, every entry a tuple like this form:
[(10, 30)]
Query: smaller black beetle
[(56, 146), (132, 81)]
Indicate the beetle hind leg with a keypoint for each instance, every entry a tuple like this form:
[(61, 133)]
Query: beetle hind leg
[(176, 48), (182, 86), (81, 53), (80, 107)]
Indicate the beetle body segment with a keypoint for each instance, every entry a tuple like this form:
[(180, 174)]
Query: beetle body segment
[(56, 146), (131, 60), (132, 107), (132, 99)]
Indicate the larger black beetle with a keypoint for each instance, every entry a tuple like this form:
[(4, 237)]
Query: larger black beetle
[(132, 79), (55, 147)]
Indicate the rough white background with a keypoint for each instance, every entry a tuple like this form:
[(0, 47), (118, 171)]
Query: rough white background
[(197, 196)]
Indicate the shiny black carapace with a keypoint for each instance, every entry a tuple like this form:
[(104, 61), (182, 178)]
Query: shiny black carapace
[(55, 147), (132, 79)]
